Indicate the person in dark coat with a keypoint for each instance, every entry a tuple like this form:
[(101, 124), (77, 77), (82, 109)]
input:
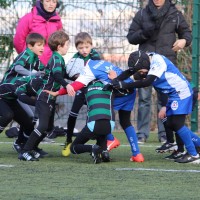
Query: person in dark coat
[(160, 27)]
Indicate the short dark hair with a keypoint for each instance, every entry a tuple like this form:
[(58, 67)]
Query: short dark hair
[(57, 38), (33, 38), (83, 37)]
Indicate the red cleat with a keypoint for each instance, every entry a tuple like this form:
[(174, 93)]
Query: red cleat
[(138, 158), (111, 144)]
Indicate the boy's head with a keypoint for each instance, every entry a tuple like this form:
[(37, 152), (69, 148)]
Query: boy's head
[(35, 42), (59, 41), (83, 43), (138, 60)]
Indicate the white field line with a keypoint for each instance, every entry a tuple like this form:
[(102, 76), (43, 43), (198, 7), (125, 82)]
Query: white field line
[(6, 166), (121, 145), (157, 170)]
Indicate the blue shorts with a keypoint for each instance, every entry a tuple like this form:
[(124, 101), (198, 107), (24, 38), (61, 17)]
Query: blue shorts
[(125, 102), (178, 106)]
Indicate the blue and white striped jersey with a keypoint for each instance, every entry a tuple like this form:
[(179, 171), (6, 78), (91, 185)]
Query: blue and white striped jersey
[(98, 69), (169, 79)]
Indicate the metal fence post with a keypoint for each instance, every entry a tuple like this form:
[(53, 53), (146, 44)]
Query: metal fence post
[(195, 58)]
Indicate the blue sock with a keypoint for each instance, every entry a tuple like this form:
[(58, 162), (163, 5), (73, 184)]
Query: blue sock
[(185, 135), (133, 140), (110, 136), (195, 139)]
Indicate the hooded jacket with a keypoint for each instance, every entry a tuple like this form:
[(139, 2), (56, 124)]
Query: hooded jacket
[(33, 22), (162, 38)]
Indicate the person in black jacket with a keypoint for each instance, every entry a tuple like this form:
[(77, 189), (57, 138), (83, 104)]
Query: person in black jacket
[(156, 29)]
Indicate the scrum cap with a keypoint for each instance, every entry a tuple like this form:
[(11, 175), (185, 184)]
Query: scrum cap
[(138, 60)]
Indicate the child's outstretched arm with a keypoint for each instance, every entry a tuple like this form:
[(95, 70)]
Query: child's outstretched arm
[(71, 88), (55, 94)]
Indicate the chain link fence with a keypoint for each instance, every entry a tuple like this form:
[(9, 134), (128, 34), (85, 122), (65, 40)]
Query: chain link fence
[(106, 21)]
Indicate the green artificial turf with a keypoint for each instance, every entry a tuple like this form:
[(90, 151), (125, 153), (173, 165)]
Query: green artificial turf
[(76, 177)]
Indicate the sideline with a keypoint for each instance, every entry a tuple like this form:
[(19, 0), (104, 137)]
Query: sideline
[(157, 170)]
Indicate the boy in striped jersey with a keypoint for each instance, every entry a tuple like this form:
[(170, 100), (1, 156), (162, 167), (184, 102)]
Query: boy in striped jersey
[(100, 122), (55, 72), (28, 60)]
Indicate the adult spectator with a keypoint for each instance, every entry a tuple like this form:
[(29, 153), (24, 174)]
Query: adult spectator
[(42, 19), (160, 27)]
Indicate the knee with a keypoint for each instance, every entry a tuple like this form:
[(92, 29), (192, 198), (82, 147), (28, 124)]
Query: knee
[(6, 118), (124, 124)]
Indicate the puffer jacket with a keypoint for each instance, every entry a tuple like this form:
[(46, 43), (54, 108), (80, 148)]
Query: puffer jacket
[(32, 22), (161, 41)]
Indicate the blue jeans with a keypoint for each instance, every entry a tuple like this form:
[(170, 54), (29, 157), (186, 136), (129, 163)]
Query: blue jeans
[(144, 113)]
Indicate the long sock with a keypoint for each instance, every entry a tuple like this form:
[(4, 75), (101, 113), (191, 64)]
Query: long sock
[(32, 141), (185, 135), (110, 136), (132, 138), (70, 126), (195, 139), (40, 140)]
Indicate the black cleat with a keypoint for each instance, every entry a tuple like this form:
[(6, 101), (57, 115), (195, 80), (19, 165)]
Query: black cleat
[(105, 156), (96, 154), (175, 155), (187, 158), (17, 147), (26, 156), (35, 154), (41, 151), (167, 147)]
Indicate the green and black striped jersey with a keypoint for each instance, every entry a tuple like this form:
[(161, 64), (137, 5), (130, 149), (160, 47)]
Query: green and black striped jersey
[(55, 73), (22, 87), (99, 102), (28, 60)]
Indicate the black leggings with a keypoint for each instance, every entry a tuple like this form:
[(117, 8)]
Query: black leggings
[(12, 110), (101, 129), (175, 122), (124, 118)]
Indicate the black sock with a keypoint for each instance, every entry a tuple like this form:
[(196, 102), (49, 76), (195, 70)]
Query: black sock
[(31, 142)]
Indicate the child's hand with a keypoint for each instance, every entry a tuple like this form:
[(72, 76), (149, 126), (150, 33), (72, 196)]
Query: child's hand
[(70, 90), (112, 74), (162, 113), (51, 92)]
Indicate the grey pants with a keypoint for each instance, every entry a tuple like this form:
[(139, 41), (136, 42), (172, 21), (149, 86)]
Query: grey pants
[(144, 113)]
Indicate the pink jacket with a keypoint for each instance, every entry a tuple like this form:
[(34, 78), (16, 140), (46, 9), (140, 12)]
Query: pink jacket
[(32, 22)]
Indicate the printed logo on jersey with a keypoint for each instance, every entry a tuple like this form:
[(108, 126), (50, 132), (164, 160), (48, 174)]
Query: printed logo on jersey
[(108, 68), (174, 105), (98, 64)]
